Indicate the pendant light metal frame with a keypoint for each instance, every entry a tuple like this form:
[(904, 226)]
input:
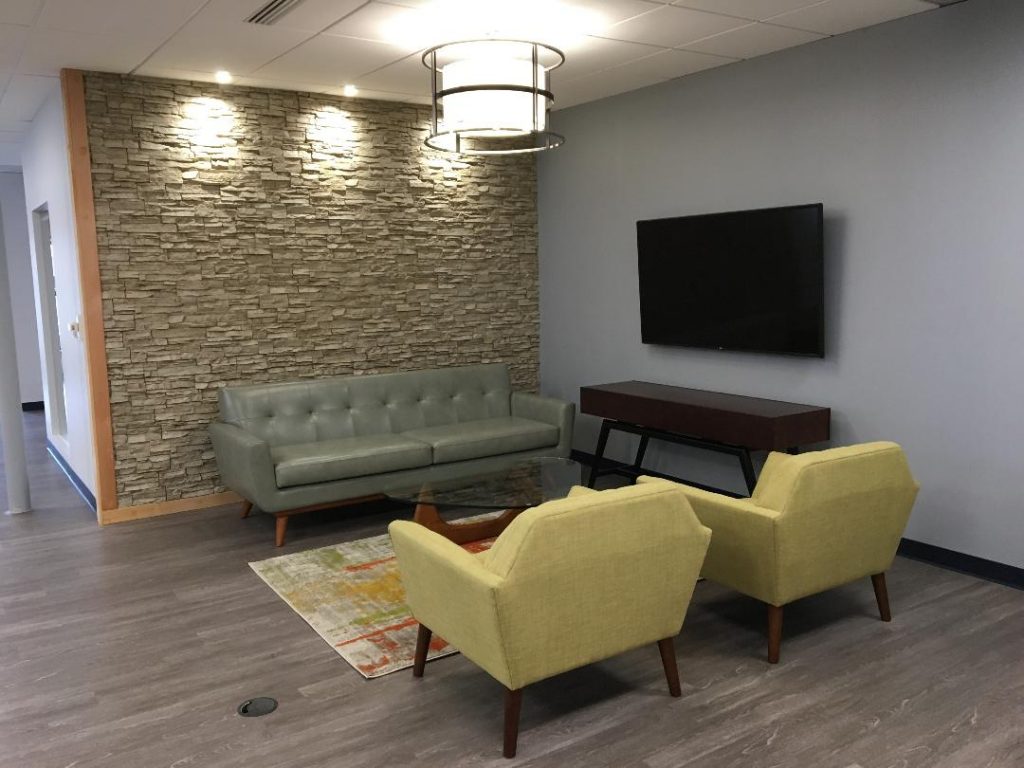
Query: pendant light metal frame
[(543, 138)]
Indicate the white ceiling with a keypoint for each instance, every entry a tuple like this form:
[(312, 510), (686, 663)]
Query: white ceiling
[(321, 45)]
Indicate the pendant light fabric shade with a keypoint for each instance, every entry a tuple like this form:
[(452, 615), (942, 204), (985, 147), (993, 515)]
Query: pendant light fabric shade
[(491, 97)]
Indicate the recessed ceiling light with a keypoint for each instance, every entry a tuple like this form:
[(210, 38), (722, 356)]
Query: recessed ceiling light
[(222, 76), (350, 91)]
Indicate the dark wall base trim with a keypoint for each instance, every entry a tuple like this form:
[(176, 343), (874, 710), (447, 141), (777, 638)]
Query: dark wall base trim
[(35, 405), (1008, 575), (82, 488), (1000, 573)]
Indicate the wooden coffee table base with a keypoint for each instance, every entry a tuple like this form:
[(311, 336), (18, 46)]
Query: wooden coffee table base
[(463, 533)]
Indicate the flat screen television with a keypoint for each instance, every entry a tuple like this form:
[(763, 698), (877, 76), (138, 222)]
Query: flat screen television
[(748, 281)]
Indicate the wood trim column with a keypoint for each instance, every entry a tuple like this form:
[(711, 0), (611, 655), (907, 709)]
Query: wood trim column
[(72, 84)]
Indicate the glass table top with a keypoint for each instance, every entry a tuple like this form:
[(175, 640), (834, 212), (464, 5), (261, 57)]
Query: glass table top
[(524, 484)]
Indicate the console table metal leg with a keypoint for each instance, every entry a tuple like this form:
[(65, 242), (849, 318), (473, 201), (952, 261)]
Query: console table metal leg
[(602, 440), (748, 470)]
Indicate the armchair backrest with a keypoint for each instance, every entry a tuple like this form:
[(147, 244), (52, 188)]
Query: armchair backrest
[(841, 513), (593, 575)]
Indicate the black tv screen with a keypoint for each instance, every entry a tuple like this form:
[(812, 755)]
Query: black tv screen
[(749, 280)]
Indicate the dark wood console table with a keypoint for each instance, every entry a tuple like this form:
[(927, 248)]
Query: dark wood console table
[(716, 421)]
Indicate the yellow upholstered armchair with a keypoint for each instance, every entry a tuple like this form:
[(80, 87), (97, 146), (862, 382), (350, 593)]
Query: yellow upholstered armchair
[(568, 583), (815, 521)]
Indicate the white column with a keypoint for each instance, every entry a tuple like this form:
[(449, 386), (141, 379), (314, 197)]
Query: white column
[(11, 432)]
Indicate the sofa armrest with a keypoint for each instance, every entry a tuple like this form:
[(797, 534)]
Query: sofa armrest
[(550, 411), (451, 592), (743, 547), (244, 462)]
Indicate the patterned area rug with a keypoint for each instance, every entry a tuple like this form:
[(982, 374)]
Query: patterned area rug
[(352, 596)]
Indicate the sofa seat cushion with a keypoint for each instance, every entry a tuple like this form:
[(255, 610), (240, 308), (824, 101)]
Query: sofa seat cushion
[(487, 437), (340, 459)]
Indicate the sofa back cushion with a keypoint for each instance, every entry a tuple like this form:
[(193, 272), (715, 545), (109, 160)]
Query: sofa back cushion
[(351, 406)]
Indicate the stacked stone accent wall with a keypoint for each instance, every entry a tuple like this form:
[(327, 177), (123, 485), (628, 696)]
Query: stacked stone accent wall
[(251, 235)]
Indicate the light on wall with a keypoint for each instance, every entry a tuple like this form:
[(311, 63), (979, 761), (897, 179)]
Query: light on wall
[(209, 124), (491, 96), (331, 129)]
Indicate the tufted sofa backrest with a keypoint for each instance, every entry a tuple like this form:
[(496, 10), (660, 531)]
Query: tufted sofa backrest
[(351, 406)]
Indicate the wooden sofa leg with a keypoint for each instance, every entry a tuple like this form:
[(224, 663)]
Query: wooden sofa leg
[(246, 509), (668, 661), (422, 646), (280, 529), (513, 704), (881, 596), (774, 633)]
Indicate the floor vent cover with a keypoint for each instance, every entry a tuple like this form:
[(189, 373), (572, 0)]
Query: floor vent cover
[(261, 705)]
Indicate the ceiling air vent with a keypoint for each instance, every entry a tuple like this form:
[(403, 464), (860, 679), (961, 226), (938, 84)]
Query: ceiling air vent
[(271, 12)]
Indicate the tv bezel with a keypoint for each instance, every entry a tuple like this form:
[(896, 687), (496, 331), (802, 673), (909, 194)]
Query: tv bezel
[(820, 241)]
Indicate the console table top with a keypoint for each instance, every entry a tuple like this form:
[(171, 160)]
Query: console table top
[(666, 393), (754, 423)]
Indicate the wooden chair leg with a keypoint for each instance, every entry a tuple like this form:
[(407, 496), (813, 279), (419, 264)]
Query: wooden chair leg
[(881, 596), (246, 509), (774, 633), (280, 530), (668, 661), (422, 646), (513, 704)]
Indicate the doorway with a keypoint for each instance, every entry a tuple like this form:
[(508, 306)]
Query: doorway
[(53, 362)]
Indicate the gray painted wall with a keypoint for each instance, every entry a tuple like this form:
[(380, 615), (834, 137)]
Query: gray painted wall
[(19, 270), (912, 134)]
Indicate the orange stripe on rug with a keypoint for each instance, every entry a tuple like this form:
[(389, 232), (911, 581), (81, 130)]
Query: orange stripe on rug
[(369, 565), (383, 630)]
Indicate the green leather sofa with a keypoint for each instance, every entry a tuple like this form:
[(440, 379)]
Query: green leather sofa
[(305, 444)]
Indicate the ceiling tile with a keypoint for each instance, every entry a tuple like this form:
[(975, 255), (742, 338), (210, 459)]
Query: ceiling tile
[(407, 76), (269, 82), (615, 11), (662, 66), (384, 96), (628, 77), (121, 17), (19, 11), (371, 22), (755, 10), (597, 53), (671, 27), (330, 60), (49, 50), (25, 94), (12, 40), (753, 40), (169, 73), (674, 64), (240, 48), (834, 17), (309, 16)]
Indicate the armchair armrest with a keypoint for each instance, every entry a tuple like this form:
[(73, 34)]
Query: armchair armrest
[(244, 462), (450, 591), (550, 411), (742, 554)]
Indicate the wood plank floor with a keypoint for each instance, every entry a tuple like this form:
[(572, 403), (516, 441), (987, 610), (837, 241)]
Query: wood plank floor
[(131, 646)]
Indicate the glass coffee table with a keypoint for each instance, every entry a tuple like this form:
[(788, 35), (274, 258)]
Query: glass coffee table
[(517, 487)]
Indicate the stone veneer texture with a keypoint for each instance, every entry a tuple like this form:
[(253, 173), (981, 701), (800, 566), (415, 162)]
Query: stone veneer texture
[(250, 235)]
